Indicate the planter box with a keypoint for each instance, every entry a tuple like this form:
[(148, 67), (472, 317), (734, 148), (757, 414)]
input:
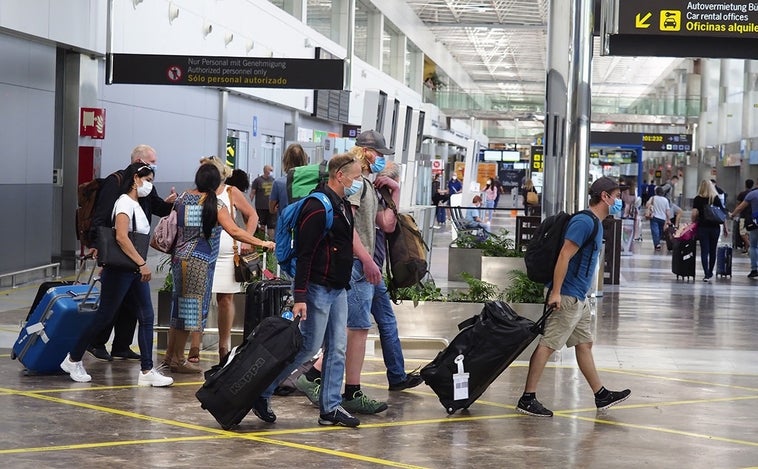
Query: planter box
[(495, 270), (463, 260)]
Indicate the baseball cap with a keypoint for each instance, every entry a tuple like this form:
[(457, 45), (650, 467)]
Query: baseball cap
[(604, 184), (374, 140)]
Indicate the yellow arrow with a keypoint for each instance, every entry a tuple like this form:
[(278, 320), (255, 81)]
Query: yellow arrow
[(640, 23)]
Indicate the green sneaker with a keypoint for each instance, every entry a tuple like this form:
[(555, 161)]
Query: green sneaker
[(362, 404), (311, 389)]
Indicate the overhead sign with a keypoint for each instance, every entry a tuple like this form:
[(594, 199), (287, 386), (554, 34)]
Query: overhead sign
[(687, 18), (667, 142), (233, 72)]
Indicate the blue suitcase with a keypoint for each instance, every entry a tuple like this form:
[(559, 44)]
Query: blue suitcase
[(54, 327)]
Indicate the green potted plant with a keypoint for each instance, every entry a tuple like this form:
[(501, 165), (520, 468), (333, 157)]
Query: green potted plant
[(521, 289), (487, 259)]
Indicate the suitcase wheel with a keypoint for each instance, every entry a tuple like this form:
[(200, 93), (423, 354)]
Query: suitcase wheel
[(13, 355), (450, 411)]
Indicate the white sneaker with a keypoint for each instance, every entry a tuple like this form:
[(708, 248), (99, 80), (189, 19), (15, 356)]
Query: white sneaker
[(154, 378), (75, 370)]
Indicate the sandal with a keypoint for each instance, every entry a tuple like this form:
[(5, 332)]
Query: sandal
[(194, 355), (185, 367)]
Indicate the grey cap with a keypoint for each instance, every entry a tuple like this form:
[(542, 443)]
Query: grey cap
[(374, 140)]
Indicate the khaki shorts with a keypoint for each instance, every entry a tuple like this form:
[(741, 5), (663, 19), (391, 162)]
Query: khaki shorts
[(569, 325)]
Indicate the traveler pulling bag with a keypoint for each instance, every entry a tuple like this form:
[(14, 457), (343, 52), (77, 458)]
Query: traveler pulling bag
[(109, 253), (406, 249)]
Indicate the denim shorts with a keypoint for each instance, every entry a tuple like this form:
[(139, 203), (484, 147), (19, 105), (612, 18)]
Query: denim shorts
[(359, 298)]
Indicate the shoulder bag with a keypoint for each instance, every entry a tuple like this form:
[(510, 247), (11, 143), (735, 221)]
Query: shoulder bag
[(247, 267), (109, 253), (164, 235), (713, 213)]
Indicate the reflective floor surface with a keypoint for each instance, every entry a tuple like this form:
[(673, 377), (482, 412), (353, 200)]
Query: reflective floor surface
[(687, 350)]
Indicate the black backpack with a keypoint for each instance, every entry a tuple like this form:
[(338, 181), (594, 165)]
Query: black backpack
[(544, 247)]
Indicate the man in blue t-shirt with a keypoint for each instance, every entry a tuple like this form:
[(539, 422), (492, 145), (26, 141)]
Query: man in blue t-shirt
[(569, 324), (750, 203)]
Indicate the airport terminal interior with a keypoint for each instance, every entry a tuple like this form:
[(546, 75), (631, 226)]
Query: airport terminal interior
[(686, 350), (559, 92)]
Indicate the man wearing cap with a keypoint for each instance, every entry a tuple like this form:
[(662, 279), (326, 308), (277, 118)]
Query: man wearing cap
[(366, 279), (569, 324)]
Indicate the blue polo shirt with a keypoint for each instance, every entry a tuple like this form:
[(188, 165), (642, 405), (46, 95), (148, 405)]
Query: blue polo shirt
[(578, 281)]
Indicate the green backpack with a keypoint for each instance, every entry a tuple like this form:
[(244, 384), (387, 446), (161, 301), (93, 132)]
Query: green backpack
[(303, 179)]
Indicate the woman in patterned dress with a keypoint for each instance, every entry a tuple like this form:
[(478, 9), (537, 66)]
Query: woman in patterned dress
[(200, 219)]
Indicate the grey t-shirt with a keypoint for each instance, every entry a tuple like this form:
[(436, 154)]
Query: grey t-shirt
[(367, 204)]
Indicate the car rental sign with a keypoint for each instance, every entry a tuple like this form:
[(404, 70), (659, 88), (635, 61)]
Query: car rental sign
[(732, 19), (230, 72)]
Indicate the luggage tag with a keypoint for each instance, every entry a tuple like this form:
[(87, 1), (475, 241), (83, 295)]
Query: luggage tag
[(460, 381), (39, 329)]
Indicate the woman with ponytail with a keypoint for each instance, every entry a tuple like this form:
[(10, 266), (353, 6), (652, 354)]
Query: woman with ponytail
[(200, 218)]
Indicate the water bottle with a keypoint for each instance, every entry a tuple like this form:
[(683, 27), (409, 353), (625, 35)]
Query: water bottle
[(287, 313)]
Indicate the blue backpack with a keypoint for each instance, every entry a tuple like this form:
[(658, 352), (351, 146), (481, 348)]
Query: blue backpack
[(286, 230)]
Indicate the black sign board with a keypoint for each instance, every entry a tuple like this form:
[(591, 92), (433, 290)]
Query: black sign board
[(682, 28), (231, 72), (725, 18), (667, 142), (525, 228)]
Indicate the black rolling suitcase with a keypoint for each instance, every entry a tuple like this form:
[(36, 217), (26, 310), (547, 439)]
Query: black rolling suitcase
[(229, 393), (482, 350), (724, 261), (263, 299), (683, 259)]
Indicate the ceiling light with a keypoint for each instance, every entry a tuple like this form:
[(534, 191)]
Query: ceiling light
[(249, 44), (228, 38), (135, 3)]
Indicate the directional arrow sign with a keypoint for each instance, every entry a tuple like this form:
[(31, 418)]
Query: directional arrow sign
[(641, 23)]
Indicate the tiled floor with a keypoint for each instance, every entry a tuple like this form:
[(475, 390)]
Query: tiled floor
[(687, 351)]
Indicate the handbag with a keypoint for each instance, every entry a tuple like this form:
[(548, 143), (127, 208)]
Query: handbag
[(714, 214), (649, 212), (164, 235), (247, 267), (532, 198), (109, 253), (750, 222)]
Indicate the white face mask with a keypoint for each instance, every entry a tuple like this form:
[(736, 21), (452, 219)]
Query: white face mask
[(145, 189)]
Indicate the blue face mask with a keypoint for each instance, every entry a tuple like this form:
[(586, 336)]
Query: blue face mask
[(354, 188), (615, 209), (378, 164)]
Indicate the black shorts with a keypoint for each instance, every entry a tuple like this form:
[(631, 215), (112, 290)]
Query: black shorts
[(265, 218)]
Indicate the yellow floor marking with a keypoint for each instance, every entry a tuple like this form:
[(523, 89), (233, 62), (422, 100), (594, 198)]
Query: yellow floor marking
[(681, 380), (218, 432), (666, 430), (106, 444)]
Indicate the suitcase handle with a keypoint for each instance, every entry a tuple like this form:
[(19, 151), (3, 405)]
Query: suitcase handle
[(539, 326), (82, 264)]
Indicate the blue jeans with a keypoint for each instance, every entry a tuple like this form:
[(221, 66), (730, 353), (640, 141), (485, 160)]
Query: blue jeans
[(392, 351), (656, 229), (708, 236), (327, 318), (115, 286), (753, 249)]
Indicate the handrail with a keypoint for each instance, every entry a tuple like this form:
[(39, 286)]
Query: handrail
[(13, 275)]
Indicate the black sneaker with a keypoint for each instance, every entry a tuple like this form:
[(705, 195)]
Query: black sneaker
[(100, 353), (534, 408), (411, 381), (613, 398), (127, 354), (338, 416), (753, 274), (263, 411)]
